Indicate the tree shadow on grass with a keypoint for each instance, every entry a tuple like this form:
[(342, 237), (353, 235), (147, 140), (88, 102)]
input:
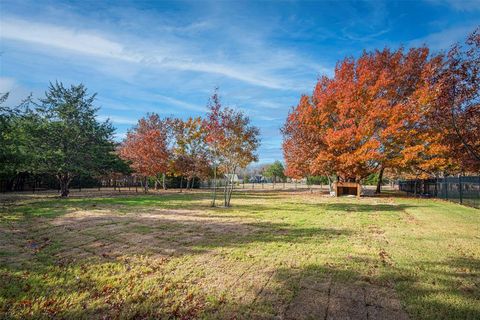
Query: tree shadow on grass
[(132, 286), (171, 233), (338, 206), (51, 208), (123, 205), (319, 291), (441, 289), (80, 249), (363, 207)]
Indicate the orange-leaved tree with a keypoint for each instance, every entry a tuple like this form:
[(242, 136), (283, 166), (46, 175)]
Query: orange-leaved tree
[(190, 149), (377, 112), (146, 147)]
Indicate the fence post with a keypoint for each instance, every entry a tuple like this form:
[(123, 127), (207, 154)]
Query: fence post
[(460, 188), (478, 205), (446, 187)]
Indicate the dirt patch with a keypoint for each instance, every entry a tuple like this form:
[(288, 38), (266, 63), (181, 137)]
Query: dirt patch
[(336, 300)]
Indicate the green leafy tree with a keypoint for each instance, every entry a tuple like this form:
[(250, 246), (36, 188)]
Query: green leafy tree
[(69, 141), (15, 133), (317, 180), (6, 126), (275, 171)]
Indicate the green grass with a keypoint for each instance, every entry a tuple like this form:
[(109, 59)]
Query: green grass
[(172, 256)]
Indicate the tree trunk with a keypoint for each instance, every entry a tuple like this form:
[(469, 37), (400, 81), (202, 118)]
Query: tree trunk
[(330, 187), (225, 193), (230, 191), (379, 182), (232, 185), (181, 184), (214, 185), (163, 182), (64, 181), (145, 186)]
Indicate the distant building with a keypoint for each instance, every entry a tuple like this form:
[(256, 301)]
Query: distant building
[(258, 179), (232, 177)]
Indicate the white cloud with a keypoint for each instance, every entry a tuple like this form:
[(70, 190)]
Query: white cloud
[(445, 38), (460, 5), (17, 93), (118, 119), (6, 84), (178, 57), (83, 42), (268, 118), (179, 103), (119, 136), (231, 72), (146, 101)]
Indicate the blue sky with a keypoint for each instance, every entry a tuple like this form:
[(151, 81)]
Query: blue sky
[(167, 57)]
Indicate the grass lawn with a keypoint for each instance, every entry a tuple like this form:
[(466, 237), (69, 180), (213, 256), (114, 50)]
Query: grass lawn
[(274, 254)]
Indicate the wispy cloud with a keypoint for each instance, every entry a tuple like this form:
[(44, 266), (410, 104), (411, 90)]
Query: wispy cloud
[(180, 103), (151, 102), (460, 5), (119, 136), (6, 84), (96, 44), (17, 93), (82, 42), (444, 39), (268, 118), (118, 119)]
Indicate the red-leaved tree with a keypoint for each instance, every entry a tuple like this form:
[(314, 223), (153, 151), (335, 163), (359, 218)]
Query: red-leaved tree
[(146, 147), (405, 111)]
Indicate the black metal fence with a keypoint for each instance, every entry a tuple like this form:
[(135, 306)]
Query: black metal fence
[(461, 189)]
